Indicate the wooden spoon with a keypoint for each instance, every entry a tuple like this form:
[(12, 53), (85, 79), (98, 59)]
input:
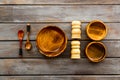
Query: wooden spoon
[(28, 45), (20, 37)]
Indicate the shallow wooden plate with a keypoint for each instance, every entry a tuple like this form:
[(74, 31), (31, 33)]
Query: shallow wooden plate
[(51, 41)]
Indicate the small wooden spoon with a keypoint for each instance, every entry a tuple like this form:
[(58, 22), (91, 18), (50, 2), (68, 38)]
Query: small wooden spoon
[(20, 37), (28, 45)]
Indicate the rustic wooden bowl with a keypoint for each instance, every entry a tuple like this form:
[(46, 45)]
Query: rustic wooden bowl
[(51, 41), (96, 30), (95, 51)]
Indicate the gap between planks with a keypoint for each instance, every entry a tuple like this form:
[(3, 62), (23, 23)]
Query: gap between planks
[(43, 22), (47, 58), (63, 75), (68, 40), (53, 4), (68, 75), (59, 2)]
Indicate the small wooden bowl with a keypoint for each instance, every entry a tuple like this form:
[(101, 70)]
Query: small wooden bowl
[(51, 41), (95, 51), (96, 30)]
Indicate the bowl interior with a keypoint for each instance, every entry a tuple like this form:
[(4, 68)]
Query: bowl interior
[(58, 52), (96, 30), (95, 52), (51, 40)]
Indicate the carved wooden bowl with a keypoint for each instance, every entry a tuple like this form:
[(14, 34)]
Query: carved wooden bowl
[(51, 41), (95, 51), (96, 30)]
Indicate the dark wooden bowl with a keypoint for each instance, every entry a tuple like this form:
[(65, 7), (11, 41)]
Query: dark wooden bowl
[(96, 30), (51, 41), (95, 51)]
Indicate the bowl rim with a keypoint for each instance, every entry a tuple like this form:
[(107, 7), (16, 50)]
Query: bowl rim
[(65, 42), (88, 26), (95, 42)]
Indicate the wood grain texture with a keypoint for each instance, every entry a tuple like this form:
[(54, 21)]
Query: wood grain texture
[(70, 77), (60, 13), (9, 31), (10, 50), (58, 66), (6, 13), (59, 2)]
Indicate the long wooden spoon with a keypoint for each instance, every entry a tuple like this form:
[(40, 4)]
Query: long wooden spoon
[(28, 44), (20, 37)]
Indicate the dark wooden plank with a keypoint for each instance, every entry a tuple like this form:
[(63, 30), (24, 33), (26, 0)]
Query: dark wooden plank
[(10, 50), (58, 66), (9, 31), (70, 77), (59, 2), (61, 13)]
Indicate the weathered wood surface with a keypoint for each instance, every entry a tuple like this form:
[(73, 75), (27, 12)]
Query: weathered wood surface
[(66, 77), (58, 66), (10, 50), (41, 13), (59, 13), (59, 2), (9, 31)]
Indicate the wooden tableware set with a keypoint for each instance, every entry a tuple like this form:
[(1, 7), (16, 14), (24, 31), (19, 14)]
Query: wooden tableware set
[(51, 41)]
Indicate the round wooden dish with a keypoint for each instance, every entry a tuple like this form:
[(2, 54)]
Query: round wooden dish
[(51, 41), (96, 30), (95, 51)]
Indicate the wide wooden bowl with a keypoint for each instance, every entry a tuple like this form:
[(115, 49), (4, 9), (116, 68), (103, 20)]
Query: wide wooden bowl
[(95, 51), (96, 30), (51, 41)]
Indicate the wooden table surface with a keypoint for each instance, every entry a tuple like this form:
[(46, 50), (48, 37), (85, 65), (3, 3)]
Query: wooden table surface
[(15, 14)]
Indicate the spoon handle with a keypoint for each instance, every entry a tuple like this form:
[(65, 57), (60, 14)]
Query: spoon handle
[(20, 49), (28, 31), (20, 52), (28, 28)]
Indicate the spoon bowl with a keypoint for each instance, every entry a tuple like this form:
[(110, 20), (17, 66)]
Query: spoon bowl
[(28, 46), (20, 34)]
